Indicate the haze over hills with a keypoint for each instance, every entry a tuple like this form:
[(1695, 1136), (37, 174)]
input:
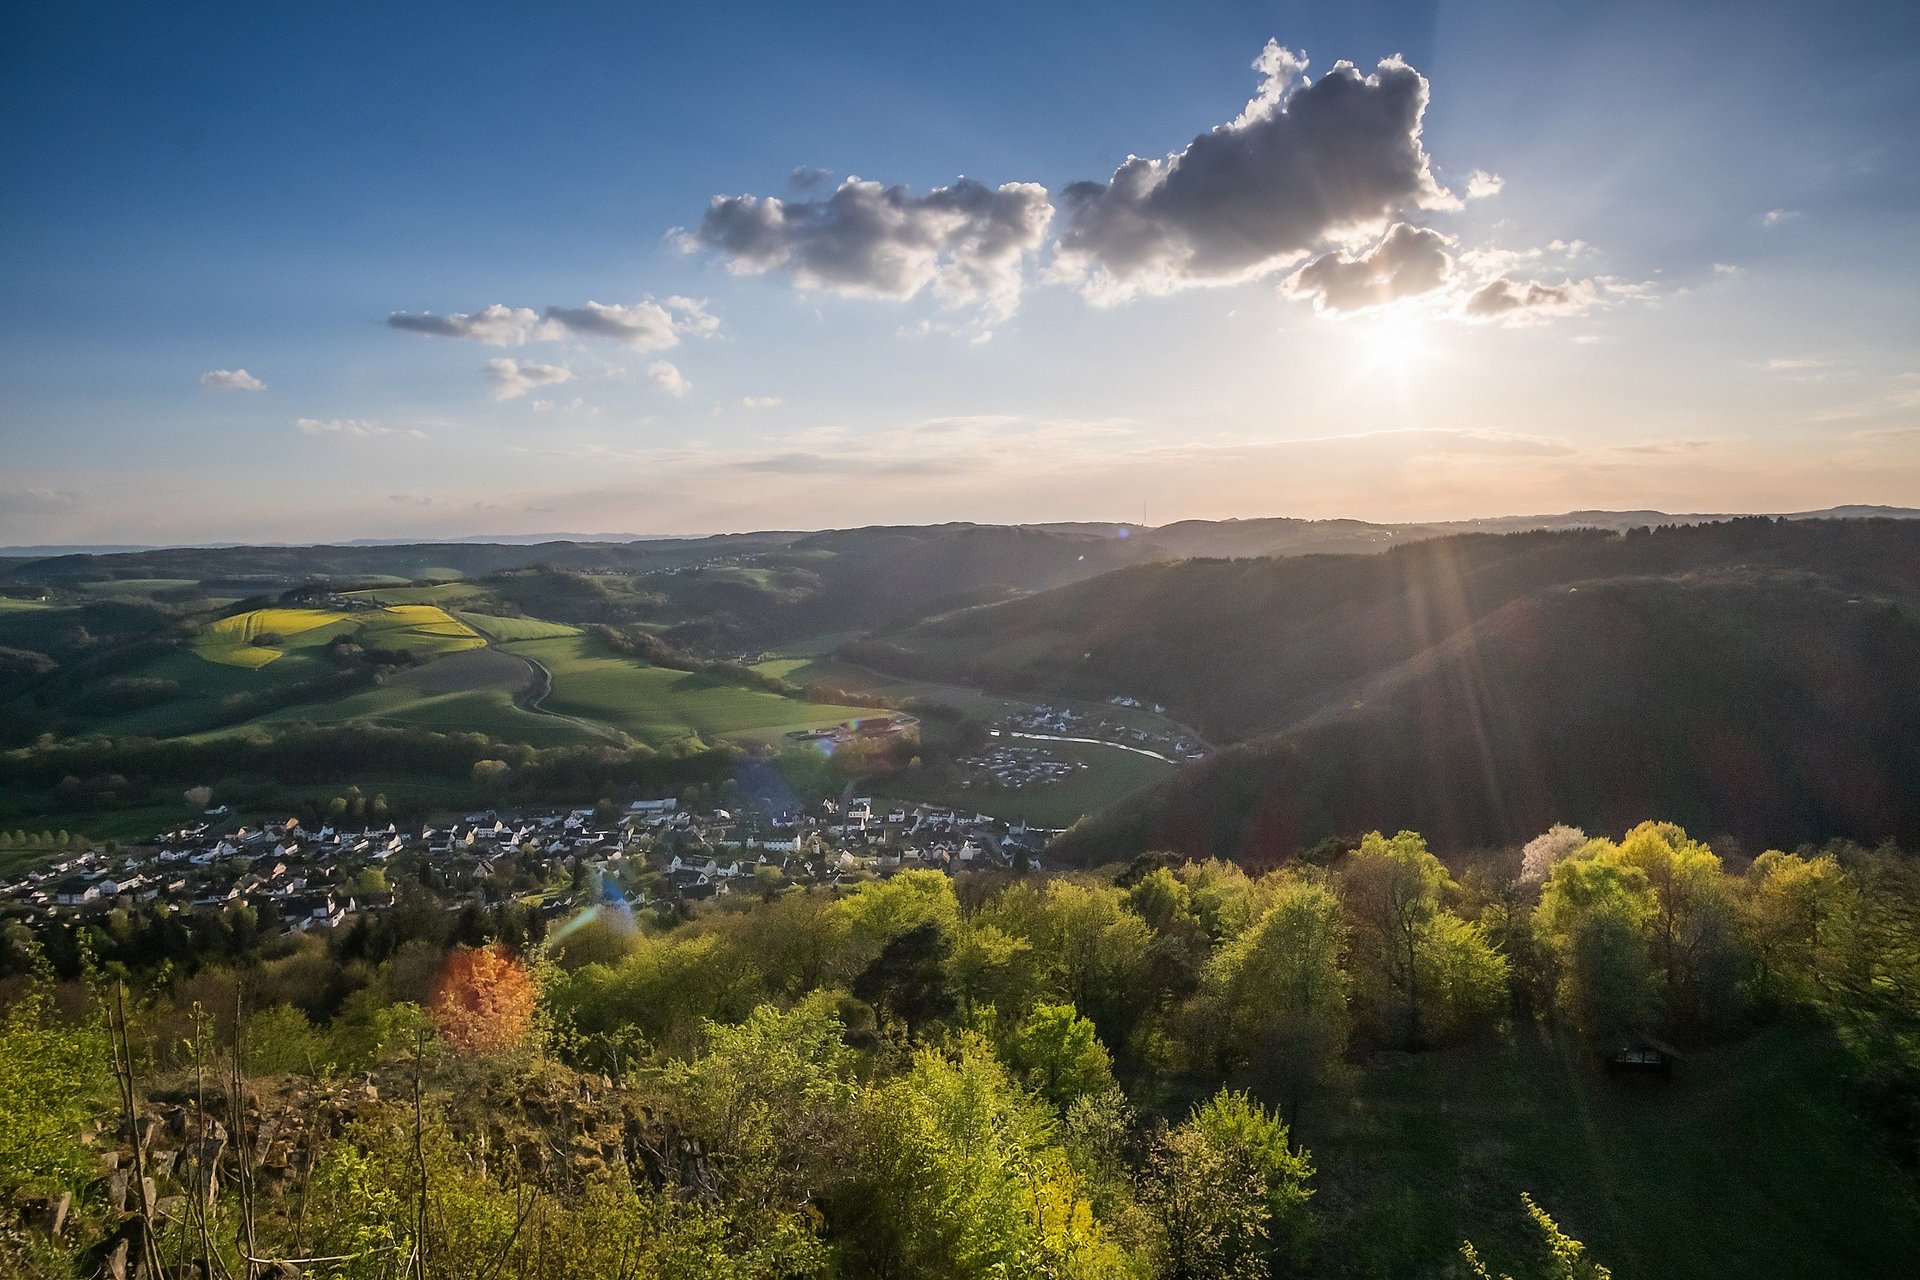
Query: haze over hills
[(1753, 677)]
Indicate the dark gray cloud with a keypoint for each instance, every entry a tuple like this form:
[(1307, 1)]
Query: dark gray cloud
[(1407, 262), (1307, 163), (965, 243)]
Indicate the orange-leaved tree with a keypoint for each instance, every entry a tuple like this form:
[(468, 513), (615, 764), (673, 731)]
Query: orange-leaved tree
[(484, 1000)]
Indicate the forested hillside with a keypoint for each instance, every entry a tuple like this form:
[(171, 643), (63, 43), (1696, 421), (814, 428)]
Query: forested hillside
[(1757, 678), (1187, 1073)]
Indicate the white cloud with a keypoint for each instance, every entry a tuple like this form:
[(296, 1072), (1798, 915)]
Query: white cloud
[(231, 380), (1306, 164), (514, 378), (966, 243), (1778, 364), (352, 428), (576, 405), (1481, 184), (1407, 262), (759, 402), (496, 326), (663, 374), (646, 325), (1774, 217)]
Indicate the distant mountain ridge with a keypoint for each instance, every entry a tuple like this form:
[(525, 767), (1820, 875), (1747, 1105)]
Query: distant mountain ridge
[(1236, 534)]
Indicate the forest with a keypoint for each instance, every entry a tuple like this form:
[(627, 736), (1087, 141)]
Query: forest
[(1368, 1061)]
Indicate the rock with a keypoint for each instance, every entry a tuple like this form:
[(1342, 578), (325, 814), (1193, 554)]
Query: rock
[(117, 1190), (114, 1267), (57, 1214)]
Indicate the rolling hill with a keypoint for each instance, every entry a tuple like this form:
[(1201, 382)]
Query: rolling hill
[(1755, 678)]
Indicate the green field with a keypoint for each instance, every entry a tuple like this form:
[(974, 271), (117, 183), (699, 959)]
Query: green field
[(1111, 774), (10, 605), (657, 705), (476, 691), (420, 628), (1753, 1162), (136, 587), (505, 629), (443, 593)]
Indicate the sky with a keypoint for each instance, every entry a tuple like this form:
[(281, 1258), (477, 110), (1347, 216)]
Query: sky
[(309, 273)]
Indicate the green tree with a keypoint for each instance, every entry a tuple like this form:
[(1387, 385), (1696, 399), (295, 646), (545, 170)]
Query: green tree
[(1566, 1258), (908, 982), (1061, 1055), (1593, 916), (1229, 1192), (1421, 974), (964, 1178), (1279, 992)]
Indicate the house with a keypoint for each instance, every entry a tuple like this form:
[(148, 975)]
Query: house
[(1639, 1054)]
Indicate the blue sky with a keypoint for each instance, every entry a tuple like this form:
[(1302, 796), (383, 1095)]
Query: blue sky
[(1685, 278)]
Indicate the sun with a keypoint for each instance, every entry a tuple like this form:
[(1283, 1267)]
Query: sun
[(1392, 344)]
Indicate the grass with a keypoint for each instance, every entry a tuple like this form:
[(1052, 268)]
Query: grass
[(657, 705), (231, 641), (1110, 775), (1752, 1162), (136, 587), (441, 594), (505, 629), (421, 628), (10, 605), (475, 691)]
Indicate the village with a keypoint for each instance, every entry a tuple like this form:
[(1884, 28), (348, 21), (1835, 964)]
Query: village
[(1161, 740), (649, 854)]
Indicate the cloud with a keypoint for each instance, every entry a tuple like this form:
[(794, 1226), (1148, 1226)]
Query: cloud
[(663, 374), (1664, 446), (514, 378), (1306, 164), (1481, 184), (1774, 217), (1408, 261), (40, 500), (231, 380), (496, 326), (576, 405), (966, 243), (1510, 301), (1779, 364), (647, 325), (759, 402), (352, 428)]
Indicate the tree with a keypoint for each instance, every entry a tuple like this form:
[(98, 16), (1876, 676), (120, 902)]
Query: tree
[(964, 1180), (200, 797), (492, 777), (1061, 1055), (1546, 851), (1693, 930), (1795, 910), (1229, 1191), (1566, 1257), (484, 1000), (1593, 915), (908, 980), (1420, 972), (1280, 993)]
